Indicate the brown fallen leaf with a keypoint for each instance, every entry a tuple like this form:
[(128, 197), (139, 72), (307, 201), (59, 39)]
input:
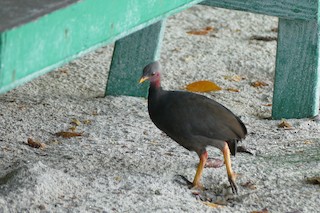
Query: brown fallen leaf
[(235, 78), (62, 70), (265, 210), (233, 90), (202, 86), (313, 180), (249, 185), (263, 38), (284, 124), (75, 122), (275, 29), (35, 144), (212, 205), (259, 84), (69, 134), (204, 31)]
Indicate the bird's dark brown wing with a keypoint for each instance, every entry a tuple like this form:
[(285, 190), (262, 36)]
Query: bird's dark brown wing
[(183, 114)]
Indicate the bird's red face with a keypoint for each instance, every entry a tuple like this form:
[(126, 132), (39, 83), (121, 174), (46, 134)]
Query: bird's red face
[(151, 72), (154, 77)]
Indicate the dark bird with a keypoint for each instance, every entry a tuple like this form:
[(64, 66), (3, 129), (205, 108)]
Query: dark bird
[(194, 121)]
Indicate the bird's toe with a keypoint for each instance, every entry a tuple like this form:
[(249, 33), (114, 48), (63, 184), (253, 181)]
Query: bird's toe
[(233, 185)]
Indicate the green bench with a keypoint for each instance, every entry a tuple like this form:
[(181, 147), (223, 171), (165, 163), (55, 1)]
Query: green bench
[(38, 36)]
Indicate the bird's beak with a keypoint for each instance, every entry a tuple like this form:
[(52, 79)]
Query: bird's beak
[(143, 79)]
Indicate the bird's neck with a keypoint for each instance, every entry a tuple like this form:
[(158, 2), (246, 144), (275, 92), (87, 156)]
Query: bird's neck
[(155, 89), (156, 83)]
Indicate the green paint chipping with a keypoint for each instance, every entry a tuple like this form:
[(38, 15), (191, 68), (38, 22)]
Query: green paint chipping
[(54, 39)]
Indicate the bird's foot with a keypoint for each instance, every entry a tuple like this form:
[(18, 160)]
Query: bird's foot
[(232, 181), (214, 163), (197, 187)]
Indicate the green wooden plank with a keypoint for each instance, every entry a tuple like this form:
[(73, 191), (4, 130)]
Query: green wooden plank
[(288, 9), (130, 55), (39, 46), (296, 88)]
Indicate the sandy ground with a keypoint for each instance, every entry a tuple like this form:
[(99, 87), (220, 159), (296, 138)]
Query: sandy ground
[(122, 163)]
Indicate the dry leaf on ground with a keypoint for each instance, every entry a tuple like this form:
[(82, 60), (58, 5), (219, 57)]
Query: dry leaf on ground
[(75, 122), (249, 185), (265, 210), (69, 134), (259, 84), (87, 121), (212, 205), (314, 180), (204, 31), (73, 128), (284, 124), (35, 144), (235, 78), (266, 104), (233, 90), (263, 38), (202, 86), (308, 142)]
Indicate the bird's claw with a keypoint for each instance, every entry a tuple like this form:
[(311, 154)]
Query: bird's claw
[(233, 184)]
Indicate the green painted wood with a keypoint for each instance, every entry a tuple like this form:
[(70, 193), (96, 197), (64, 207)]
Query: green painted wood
[(296, 88), (288, 9), (37, 47), (130, 55)]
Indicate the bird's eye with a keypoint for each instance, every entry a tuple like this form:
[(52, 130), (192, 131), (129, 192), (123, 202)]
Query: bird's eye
[(153, 73)]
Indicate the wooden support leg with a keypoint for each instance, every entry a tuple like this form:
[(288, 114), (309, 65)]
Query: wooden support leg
[(130, 55), (296, 86)]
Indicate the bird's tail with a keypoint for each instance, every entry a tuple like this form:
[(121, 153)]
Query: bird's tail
[(233, 146)]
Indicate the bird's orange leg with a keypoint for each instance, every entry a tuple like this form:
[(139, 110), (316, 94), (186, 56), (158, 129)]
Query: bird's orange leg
[(231, 175), (196, 181)]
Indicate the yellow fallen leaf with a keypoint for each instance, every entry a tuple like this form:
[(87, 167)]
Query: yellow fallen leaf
[(202, 86), (212, 205)]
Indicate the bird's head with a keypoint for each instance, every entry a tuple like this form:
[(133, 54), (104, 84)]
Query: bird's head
[(151, 72)]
